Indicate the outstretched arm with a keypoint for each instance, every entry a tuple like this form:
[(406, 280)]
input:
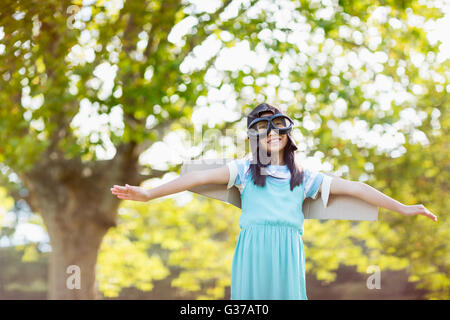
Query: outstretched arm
[(373, 196), (186, 181)]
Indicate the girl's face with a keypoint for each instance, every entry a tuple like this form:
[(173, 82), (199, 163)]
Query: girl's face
[(273, 142)]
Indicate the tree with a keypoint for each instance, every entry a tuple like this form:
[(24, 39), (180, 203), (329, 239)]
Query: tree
[(322, 60), (65, 181), (414, 171)]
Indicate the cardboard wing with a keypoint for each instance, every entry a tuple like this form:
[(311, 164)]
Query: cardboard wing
[(339, 207)]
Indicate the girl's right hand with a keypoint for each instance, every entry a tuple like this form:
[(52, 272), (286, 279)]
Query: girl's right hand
[(130, 193)]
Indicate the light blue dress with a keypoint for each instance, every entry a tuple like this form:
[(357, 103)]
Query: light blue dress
[(269, 261)]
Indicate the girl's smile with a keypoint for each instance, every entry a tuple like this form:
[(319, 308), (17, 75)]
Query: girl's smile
[(274, 142)]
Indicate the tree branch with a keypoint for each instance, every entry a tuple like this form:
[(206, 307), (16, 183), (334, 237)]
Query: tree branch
[(161, 128), (153, 174)]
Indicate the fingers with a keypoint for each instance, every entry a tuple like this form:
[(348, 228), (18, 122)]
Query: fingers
[(121, 192), (119, 188), (117, 192), (430, 215), (121, 195), (427, 213)]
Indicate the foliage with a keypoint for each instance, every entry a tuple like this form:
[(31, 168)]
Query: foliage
[(196, 239), (6, 204), (322, 70)]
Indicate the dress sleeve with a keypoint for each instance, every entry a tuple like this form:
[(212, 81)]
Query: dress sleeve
[(312, 181), (238, 173)]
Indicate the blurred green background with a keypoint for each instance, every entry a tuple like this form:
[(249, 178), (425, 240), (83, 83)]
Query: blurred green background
[(97, 93)]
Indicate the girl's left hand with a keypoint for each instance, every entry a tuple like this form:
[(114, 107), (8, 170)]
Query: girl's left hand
[(130, 193), (418, 209)]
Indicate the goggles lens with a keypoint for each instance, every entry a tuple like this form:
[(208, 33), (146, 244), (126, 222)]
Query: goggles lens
[(261, 126), (280, 123)]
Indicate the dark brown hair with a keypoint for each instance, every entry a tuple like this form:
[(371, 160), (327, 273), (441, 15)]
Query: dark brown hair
[(288, 152)]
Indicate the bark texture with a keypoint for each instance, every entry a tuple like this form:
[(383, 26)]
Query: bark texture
[(78, 208)]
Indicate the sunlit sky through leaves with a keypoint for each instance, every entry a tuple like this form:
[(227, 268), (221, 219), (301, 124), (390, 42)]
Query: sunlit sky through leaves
[(220, 105)]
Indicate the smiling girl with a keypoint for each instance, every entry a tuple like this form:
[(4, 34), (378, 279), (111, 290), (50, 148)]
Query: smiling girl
[(269, 261)]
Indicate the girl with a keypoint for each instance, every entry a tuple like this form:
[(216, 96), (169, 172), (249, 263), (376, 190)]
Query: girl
[(268, 261)]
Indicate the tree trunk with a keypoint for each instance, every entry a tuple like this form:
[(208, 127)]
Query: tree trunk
[(72, 261), (78, 208)]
